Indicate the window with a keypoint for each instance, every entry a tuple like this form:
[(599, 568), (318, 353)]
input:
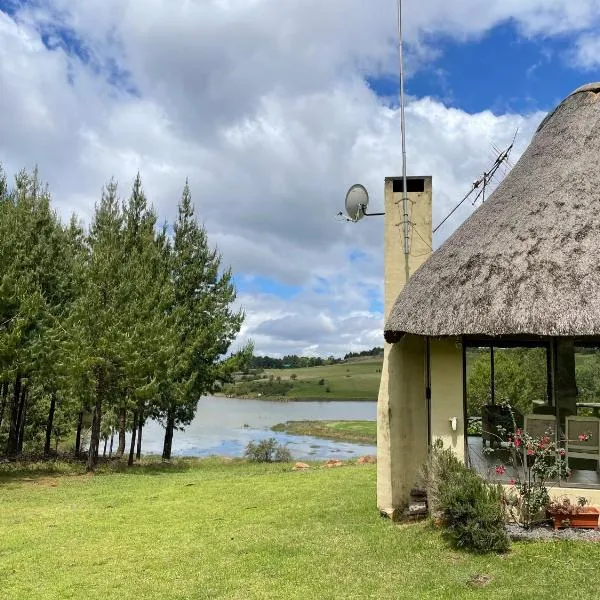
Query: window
[(498, 376), (550, 387)]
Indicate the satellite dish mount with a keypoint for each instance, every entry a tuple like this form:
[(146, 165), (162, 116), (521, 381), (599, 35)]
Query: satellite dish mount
[(357, 201)]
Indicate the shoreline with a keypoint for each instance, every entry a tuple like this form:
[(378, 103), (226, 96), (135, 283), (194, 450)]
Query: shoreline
[(358, 432), (293, 399)]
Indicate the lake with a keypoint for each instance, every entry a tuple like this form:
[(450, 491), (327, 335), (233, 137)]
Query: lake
[(224, 426)]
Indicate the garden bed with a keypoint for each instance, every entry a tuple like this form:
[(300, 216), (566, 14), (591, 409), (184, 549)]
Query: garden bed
[(538, 533)]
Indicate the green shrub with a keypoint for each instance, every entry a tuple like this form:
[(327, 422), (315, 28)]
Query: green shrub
[(471, 509), (321, 381), (269, 450), (474, 513)]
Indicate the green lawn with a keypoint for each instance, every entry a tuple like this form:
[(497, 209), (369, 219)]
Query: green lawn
[(210, 529), (348, 431)]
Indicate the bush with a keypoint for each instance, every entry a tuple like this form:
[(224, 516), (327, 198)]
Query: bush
[(269, 450), (321, 381), (471, 509), (474, 513)]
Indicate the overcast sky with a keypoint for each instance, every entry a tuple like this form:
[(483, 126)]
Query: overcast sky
[(272, 109)]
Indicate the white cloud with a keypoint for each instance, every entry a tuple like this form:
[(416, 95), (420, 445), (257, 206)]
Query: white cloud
[(262, 104), (586, 53)]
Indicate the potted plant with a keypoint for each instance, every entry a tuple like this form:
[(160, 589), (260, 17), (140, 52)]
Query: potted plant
[(565, 514)]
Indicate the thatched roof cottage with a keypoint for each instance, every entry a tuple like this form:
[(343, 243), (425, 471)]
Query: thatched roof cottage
[(523, 271)]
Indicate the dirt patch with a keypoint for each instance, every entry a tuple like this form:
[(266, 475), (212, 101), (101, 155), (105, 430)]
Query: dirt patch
[(41, 481), (479, 580)]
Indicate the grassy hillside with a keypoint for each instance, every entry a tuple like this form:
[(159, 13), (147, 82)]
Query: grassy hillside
[(210, 529), (355, 379), (348, 431)]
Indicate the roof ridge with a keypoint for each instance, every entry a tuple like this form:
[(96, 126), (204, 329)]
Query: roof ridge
[(588, 87)]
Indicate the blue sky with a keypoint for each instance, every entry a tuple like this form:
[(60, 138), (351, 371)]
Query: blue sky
[(274, 126), (502, 70)]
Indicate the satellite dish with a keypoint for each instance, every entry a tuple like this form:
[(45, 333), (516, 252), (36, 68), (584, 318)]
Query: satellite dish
[(357, 200)]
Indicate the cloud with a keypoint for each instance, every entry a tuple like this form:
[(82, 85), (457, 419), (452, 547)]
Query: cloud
[(586, 53), (263, 104)]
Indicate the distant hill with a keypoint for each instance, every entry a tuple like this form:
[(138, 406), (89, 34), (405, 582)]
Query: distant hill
[(354, 379)]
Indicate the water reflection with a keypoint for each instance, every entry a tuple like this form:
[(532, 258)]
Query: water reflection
[(224, 426)]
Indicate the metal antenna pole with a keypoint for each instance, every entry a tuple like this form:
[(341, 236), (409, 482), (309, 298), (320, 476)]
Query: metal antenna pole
[(405, 220)]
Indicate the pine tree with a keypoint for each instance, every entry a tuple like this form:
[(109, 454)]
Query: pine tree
[(202, 321), (97, 320)]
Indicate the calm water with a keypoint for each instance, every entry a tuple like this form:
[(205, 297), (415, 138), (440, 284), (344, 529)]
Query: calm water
[(224, 426)]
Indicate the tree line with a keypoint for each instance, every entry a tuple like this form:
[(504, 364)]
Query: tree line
[(290, 361), (377, 351), (106, 326), (293, 361)]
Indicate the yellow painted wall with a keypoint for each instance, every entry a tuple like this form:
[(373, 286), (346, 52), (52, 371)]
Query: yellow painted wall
[(593, 495), (447, 393), (402, 423), (402, 407)]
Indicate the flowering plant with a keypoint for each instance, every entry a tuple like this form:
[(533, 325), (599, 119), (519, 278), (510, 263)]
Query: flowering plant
[(538, 462)]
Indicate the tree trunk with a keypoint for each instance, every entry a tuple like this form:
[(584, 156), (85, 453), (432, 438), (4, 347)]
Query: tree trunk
[(133, 432), (92, 459), (13, 431), (78, 436), (22, 418), (166, 455), (112, 439), (105, 444), (3, 405), (49, 424), (138, 452), (122, 420)]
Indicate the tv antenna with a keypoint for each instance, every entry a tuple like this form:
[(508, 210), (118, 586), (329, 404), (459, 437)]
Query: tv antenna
[(483, 181)]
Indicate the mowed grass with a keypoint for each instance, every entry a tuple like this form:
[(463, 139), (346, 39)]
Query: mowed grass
[(352, 380), (348, 431), (217, 530)]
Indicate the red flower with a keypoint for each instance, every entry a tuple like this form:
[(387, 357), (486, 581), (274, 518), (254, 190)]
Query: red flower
[(530, 452), (517, 442), (500, 470), (562, 452), (583, 437), (512, 482)]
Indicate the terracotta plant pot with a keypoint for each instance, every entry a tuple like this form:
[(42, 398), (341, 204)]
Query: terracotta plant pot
[(586, 519)]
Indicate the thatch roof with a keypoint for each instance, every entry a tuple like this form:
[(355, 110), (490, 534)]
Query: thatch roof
[(528, 260)]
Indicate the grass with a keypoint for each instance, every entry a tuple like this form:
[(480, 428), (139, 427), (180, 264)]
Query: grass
[(355, 379), (348, 431), (211, 529)]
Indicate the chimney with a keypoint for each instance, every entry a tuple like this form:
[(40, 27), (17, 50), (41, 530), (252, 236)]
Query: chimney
[(402, 413), (420, 233)]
